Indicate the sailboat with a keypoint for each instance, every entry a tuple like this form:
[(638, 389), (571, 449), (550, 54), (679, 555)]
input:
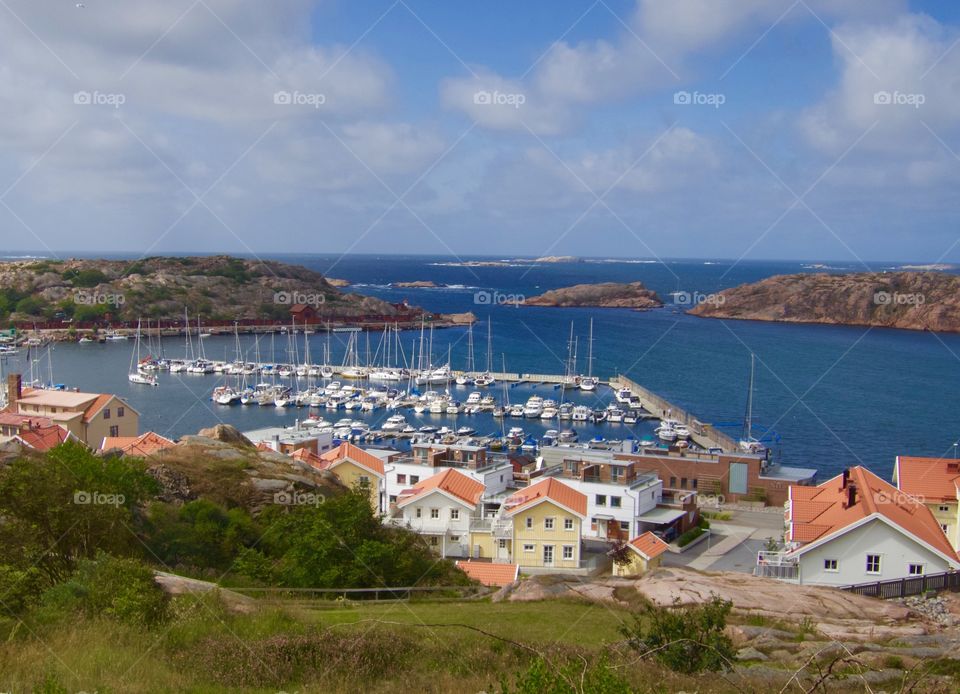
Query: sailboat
[(485, 379), (747, 442), (589, 382), (135, 375), (464, 379)]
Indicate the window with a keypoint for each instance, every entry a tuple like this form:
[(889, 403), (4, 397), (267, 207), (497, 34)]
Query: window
[(529, 522), (434, 513), (454, 514), (434, 541), (625, 526), (419, 512), (873, 563), (616, 474), (393, 499), (106, 413), (548, 523), (830, 565), (915, 569), (673, 481), (364, 481), (568, 523), (114, 431), (615, 502), (401, 479), (121, 411), (570, 466), (693, 483), (683, 483), (601, 500), (528, 548), (503, 544), (942, 508), (454, 538), (547, 555), (414, 479), (943, 527), (568, 551)]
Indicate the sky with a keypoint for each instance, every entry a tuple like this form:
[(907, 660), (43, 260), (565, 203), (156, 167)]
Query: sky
[(753, 129)]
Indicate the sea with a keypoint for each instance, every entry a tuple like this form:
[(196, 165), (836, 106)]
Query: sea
[(825, 397)]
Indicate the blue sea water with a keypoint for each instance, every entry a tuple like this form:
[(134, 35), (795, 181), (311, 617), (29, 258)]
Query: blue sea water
[(831, 396)]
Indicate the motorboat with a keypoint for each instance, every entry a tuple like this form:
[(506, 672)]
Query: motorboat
[(474, 398), (615, 415), (516, 411), (453, 408), (484, 380), (84, 341), (581, 413), (142, 379), (550, 437), (394, 423), (549, 413), (623, 395), (568, 436), (534, 407), (466, 431), (565, 411), (683, 433), (428, 429), (666, 432)]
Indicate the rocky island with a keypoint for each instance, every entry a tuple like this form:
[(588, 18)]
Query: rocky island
[(417, 284), (603, 295), (217, 288), (906, 300)]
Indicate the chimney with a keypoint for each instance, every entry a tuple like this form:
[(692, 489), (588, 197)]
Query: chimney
[(845, 479), (14, 389), (851, 499)]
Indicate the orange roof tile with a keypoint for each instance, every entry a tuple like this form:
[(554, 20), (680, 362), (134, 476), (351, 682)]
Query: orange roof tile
[(20, 420), (45, 437), (96, 406), (821, 511), (490, 574), (549, 489), (463, 487), (933, 479), (347, 451), (648, 545), (144, 445), (305, 455)]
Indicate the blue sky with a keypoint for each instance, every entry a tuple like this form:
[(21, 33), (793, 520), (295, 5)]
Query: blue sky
[(387, 145)]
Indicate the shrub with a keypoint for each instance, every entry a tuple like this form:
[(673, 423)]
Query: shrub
[(90, 277), (689, 536), (571, 678), (686, 639), (19, 588)]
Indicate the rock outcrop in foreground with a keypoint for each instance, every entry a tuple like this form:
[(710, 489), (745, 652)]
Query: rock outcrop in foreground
[(604, 295), (907, 300)]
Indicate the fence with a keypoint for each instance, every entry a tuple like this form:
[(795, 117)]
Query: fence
[(902, 587), (384, 593)]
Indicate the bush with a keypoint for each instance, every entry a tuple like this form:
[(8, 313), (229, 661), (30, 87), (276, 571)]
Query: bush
[(572, 678), (686, 639), (85, 278), (689, 536), (20, 589), (121, 589), (31, 306)]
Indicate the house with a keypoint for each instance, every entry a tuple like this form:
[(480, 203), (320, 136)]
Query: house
[(440, 508), (490, 574), (304, 314), (286, 440), (934, 481), (147, 444), (89, 417), (644, 552), (37, 433), (857, 528), (538, 527), (354, 467)]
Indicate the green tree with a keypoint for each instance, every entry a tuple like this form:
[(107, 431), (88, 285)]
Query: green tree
[(90, 277), (31, 306), (685, 638), (199, 534)]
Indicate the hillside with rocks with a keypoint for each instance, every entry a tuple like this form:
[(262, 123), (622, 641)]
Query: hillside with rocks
[(906, 300), (216, 287), (603, 295)]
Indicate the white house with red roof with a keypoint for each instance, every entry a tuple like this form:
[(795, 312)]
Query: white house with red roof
[(440, 508), (857, 528)]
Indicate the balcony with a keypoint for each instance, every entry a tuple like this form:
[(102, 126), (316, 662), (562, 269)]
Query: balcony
[(495, 526), (777, 565)]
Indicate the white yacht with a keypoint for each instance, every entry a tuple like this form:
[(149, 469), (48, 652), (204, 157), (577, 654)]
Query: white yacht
[(534, 407), (395, 422), (623, 395), (666, 432), (581, 413)]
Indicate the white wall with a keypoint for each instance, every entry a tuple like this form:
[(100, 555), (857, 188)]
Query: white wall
[(851, 549), (495, 480), (459, 528)]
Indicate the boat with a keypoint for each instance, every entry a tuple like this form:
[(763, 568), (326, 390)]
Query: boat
[(116, 337), (568, 436), (466, 431), (485, 380), (84, 341), (589, 382), (549, 413), (630, 417), (516, 411), (428, 429), (615, 414), (666, 432), (395, 422), (747, 442), (683, 433), (565, 411), (225, 395), (136, 375), (473, 398), (581, 413), (623, 395), (453, 408), (534, 407), (550, 437)]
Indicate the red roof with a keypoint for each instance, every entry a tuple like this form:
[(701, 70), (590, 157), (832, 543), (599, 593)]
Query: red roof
[(458, 485), (20, 420), (648, 545), (144, 445), (305, 455), (821, 511), (45, 437), (932, 479), (96, 406), (347, 451), (490, 574), (549, 489)]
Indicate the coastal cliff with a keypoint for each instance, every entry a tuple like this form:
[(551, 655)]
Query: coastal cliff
[(603, 295), (216, 287), (906, 300)]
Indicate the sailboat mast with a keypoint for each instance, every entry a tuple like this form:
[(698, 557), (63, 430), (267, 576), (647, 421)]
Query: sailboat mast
[(748, 419)]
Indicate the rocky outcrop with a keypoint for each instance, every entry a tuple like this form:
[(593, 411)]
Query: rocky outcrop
[(558, 259), (227, 434), (604, 295), (173, 584), (907, 300), (417, 284)]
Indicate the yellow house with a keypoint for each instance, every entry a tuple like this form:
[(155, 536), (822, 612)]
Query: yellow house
[(934, 482), (354, 467), (547, 519), (644, 552), (90, 417)]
